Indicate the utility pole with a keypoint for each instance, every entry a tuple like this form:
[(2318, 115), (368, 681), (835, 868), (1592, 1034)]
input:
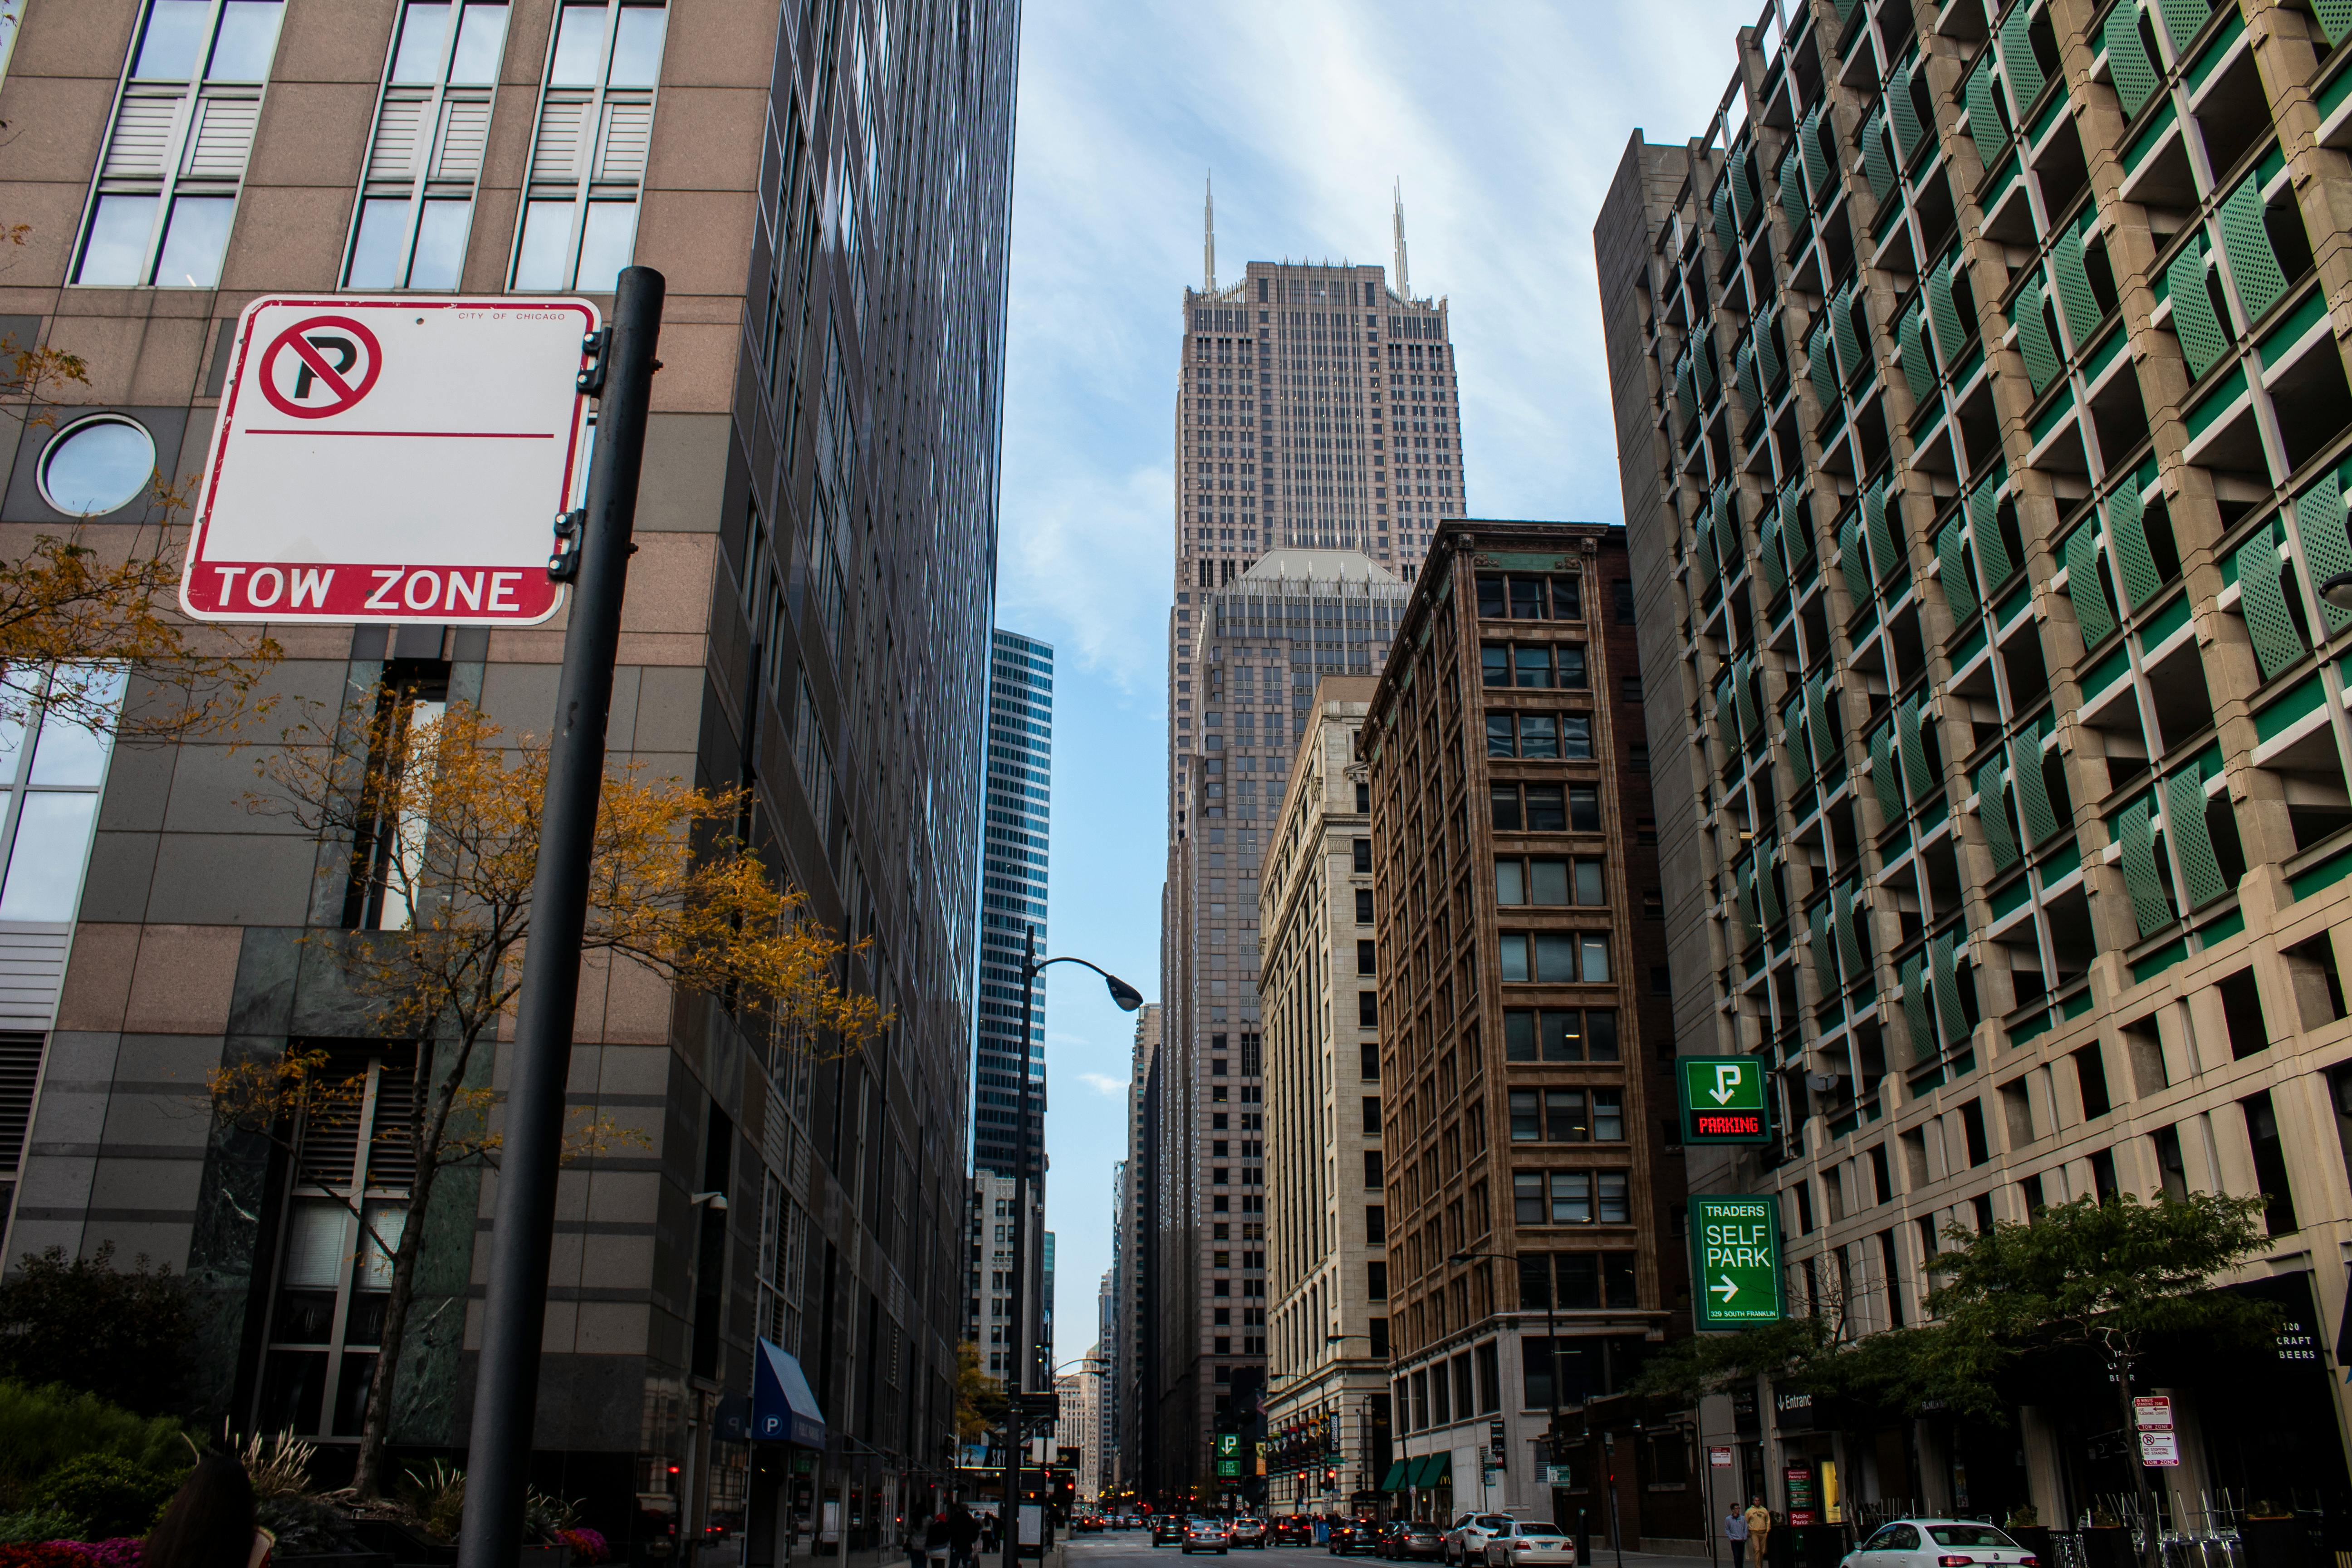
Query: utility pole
[(514, 1311), (1016, 1433)]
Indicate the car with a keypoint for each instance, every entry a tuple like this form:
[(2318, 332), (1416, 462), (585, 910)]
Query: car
[(1167, 1530), (1412, 1541), (1207, 1535), (1358, 1536), (1937, 1543), (1529, 1540), (1294, 1530), (1087, 1525), (1250, 1532), (1466, 1542)]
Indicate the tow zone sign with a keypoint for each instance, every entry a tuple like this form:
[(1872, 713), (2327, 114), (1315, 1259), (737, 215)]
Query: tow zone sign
[(392, 459)]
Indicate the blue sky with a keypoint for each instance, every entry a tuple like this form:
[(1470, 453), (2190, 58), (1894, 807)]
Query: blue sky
[(1505, 122)]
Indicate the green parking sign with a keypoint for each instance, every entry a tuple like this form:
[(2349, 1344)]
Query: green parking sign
[(1735, 1261), (1229, 1444), (1723, 1099)]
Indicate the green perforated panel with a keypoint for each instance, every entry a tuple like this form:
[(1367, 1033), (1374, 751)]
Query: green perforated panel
[(1993, 817), (1902, 113), (2192, 836), (2034, 336), (2076, 300), (2090, 601), (1792, 731), (1853, 562), (1940, 962), (2335, 19), (1824, 955), (1917, 1016), (1849, 939), (1726, 533), (1821, 364), (2150, 912), (1726, 726), (2033, 808), (1686, 393), (1912, 334), (2253, 265), (1882, 778), (1958, 592), (1908, 721), (2202, 338), (1943, 311), (1743, 198), (1743, 376), (2183, 18), (1817, 163), (1876, 162), (1767, 553), (1883, 552), (2017, 62), (1984, 120), (2319, 524), (1744, 922), (2135, 73), (1768, 353), (2263, 602), (1743, 686), (1703, 361), (1849, 345), (1984, 528), (1702, 553), (1767, 892), (1820, 724), (2128, 544), (1793, 192), (1795, 526), (1725, 235)]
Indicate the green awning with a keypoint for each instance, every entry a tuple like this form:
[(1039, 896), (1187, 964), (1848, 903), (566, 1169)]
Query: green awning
[(1418, 1474), (1394, 1480), (1430, 1469)]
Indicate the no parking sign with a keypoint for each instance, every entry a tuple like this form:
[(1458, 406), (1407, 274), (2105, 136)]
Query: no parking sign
[(397, 459)]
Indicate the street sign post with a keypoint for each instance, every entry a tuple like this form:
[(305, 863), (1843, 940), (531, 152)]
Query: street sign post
[(392, 459), (1735, 1260), (1723, 1099), (1228, 1451)]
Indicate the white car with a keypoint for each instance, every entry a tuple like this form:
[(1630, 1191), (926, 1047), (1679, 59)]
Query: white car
[(1521, 1541), (1937, 1543), (1465, 1542)]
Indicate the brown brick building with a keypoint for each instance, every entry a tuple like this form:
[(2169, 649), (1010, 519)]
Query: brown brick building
[(1523, 1007)]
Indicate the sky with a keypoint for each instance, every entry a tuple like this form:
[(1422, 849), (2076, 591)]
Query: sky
[(1505, 122)]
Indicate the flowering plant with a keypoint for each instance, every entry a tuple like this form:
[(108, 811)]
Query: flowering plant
[(121, 1551), (44, 1554), (588, 1545)]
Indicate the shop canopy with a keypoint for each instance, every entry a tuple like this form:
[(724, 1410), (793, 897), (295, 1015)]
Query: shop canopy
[(783, 1407), (1431, 1470), (1394, 1480)]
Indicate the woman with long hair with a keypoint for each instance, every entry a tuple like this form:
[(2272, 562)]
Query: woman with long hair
[(210, 1523)]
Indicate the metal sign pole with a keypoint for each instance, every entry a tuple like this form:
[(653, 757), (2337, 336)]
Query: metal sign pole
[(514, 1312)]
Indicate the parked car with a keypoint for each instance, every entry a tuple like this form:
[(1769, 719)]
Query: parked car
[(1522, 1541), (1937, 1543), (1414, 1541), (1250, 1531), (1360, 1536), (1465, 1543), (1294, 1530), (1167, 1530)]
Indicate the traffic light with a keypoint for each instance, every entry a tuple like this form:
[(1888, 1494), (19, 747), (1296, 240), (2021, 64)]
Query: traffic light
[(1331, 1477)]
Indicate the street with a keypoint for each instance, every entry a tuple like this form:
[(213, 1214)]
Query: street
[(1132, 1548)]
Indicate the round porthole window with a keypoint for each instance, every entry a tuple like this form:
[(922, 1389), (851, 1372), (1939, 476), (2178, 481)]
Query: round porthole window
[(97, 466)]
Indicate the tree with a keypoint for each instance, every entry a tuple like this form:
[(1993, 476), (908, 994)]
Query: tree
[(72, 604), (981, 1406), (439, 810), (2100, 1275), (119, 1333)]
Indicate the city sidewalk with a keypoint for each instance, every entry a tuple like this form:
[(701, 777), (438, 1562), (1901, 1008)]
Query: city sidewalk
[(1605, 1556)]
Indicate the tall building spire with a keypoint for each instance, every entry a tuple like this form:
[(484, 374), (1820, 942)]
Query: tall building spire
[(1208, 234), (1403, 279)]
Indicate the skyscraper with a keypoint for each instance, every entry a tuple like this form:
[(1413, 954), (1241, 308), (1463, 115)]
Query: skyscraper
[(1318, 442), (1013, 900), (817, 540), (1135, 1258), (1984, 462)]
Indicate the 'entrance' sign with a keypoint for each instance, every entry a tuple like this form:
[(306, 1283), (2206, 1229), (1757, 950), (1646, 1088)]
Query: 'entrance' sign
[(395, 459), (1735, 1261)]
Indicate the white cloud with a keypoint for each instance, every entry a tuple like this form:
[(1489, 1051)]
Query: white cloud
[(1103, 1083)]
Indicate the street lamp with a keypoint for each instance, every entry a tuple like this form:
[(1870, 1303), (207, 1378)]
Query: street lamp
[(1127, 998), (2338, 589)]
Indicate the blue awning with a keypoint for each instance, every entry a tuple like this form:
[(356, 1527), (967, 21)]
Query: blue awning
[(783, 1407)]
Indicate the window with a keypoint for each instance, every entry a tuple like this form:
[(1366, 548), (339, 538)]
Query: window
[(1583, 809), (1376, 1225), (1372, 1113), (1552, 958), (1367, 1009), (579, 222), (432, 126), (1542, 881), (1371, 1170), (1362, 850), (1369, 1067), (1363, 906), (1621, 602), (1495, 664), (1531, 666), (1529, 596), (49, 791), (1505, 801), (97, 465), (1559, 1034), (1376, 1282), (174, 158), (1364, 960), (1545, 813), (1363, 797), (1629, 689)]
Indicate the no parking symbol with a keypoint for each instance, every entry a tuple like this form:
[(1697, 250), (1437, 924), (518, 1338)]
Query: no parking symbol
[(312, 369)]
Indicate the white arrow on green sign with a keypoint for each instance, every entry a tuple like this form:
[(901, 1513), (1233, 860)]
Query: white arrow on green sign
[(1723, 1099), (1735, 1258)]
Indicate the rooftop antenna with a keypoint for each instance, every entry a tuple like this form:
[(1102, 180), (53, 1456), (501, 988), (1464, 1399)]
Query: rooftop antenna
[(1209, 234), (1404, 278)]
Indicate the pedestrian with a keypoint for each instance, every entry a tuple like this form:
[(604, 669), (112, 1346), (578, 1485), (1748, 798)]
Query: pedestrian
[(1734, 1530), (939, 1541), (987, 1534), (1760, 1531), (210, 1522), (964, 1537)]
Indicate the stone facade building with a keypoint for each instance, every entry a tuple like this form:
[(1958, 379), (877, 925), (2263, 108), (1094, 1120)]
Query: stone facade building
[(1982, 429), (807, 617)]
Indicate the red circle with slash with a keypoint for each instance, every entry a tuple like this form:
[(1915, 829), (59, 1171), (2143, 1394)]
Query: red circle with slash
[(327, 348)]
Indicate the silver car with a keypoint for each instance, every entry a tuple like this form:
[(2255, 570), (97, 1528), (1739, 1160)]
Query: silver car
[(1521, 1542), (1937, 1543), (1466, 1542)]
